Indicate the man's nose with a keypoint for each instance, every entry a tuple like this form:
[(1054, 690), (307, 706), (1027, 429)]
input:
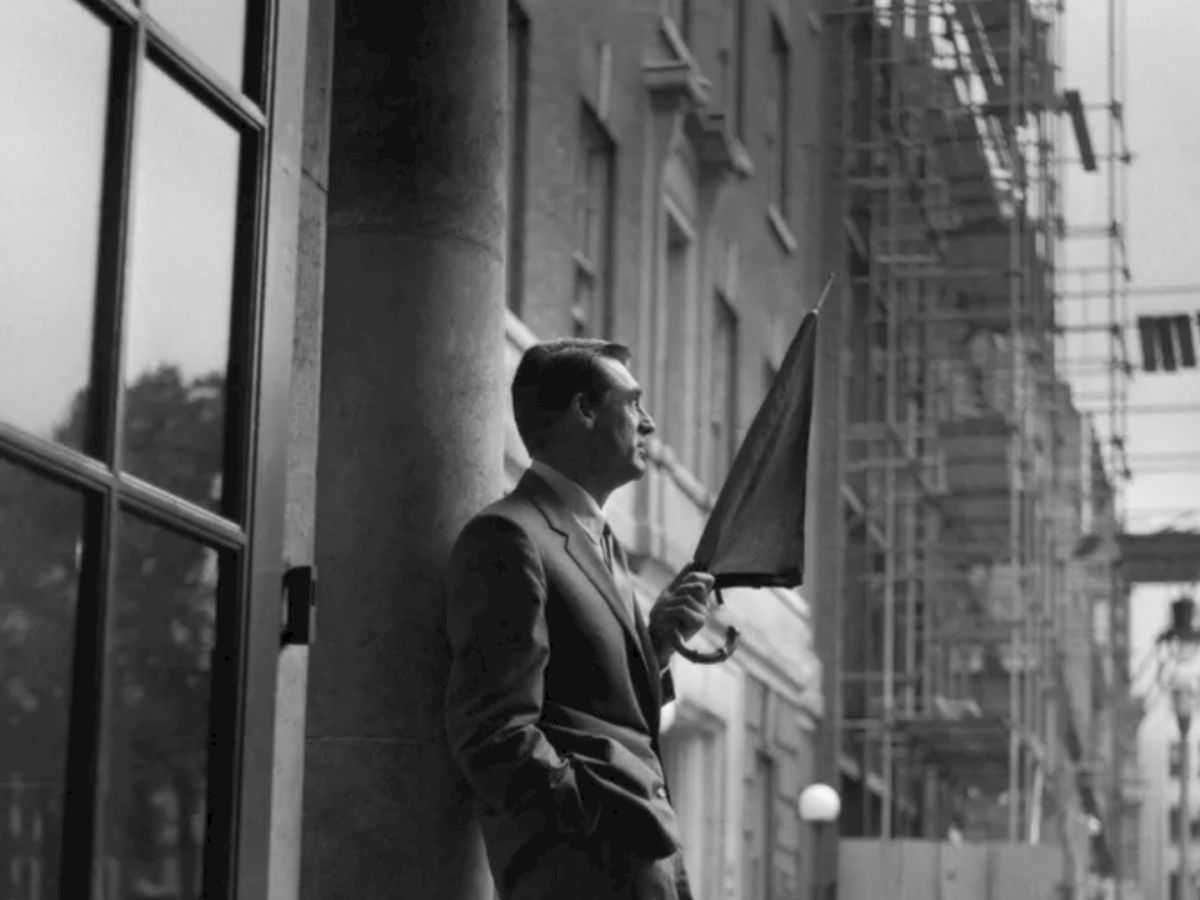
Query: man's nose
[(646, 424)]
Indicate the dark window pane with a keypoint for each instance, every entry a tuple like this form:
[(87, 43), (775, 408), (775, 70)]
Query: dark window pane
[(156, 728), (53, 106), (180, 294), (41, 528), (214, 30)]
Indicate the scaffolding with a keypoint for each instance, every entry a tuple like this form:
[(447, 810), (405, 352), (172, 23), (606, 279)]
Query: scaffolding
[(952, 128)]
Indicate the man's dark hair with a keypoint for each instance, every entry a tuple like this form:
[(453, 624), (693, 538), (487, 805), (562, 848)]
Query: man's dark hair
[(551, 374)]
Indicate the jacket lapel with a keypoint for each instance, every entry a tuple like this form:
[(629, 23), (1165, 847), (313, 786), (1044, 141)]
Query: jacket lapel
[(584, 553), (647, 645)]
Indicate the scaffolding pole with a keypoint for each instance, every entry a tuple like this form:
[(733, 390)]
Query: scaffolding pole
[(954, 165)]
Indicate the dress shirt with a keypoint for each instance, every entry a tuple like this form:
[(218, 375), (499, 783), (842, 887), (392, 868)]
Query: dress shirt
[(582, 505)]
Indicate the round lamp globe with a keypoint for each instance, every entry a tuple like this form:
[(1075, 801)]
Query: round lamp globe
[(819, 804)]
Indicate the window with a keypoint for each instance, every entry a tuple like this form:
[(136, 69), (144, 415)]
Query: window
[(678, 396), (131, 291), (695, 770), (1174, 758), (518, 121), (1173, 823), (731, 63), (595, 167), (779, 123), (723, 380), (760, 829)]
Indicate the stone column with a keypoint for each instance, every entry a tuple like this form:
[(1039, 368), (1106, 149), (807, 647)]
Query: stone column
[(410, 436)]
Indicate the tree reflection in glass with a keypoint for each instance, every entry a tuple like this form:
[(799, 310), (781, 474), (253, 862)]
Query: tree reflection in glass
[(163, 621), (41, 527), (159, 658), (157, 725), (180, 294)]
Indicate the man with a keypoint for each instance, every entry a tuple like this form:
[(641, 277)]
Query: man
[(557, 680)]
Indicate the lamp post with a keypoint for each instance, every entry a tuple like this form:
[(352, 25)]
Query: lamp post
[(1181, 640), (1182, 700), (819, 806)]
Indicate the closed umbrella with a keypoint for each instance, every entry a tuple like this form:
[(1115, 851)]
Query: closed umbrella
[(755, 534)]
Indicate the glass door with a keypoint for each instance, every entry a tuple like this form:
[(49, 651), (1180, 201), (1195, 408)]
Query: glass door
[(140, 468)]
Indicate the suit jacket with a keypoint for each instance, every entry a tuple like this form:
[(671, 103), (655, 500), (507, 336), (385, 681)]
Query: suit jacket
[(554, 693)]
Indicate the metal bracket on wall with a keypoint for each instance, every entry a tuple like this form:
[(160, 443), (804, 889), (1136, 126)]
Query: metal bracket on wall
[(299, 606)]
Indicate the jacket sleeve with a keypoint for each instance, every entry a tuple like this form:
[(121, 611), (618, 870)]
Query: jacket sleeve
[(499, 643)]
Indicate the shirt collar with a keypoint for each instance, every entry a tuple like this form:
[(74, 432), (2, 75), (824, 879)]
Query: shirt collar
[(579, 503)]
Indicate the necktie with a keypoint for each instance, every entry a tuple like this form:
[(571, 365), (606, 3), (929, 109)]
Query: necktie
[(608, 544), (609, 551)]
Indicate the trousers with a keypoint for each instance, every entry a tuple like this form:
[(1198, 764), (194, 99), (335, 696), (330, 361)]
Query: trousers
[(599, 871)]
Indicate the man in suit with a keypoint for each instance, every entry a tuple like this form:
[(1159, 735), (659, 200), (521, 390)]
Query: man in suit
[(557, 679)]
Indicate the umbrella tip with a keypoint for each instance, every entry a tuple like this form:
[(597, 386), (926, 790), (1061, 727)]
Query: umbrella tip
[(825, 293)]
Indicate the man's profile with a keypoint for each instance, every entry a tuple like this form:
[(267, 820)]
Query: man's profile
[(557, 680)]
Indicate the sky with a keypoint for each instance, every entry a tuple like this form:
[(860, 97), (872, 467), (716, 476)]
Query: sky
[(184, 207), (1158, 41)]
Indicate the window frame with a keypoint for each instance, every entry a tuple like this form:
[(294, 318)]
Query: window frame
[(694, 726), (723, 447), (779, 134), (249, 526), (594, 267), (732, 63), (765, 826), (679, 354), (520, 27)]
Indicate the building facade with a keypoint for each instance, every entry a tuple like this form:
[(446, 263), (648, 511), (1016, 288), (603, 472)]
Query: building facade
[(668, 198), (275, 265)]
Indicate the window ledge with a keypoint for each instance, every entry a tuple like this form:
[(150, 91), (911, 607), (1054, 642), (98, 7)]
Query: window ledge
[(693, 488), (780, 227), (673, 35)]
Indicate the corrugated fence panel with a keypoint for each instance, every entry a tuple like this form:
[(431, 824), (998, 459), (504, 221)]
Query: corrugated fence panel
[(1026, 872), (862, 869), (964, 874), (926, 870)]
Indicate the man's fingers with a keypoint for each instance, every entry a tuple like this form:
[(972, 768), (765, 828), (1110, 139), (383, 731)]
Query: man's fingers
[(687, 571), (687, 622), (690, 574), (686, 603), (688, 599), (700, 590), (697, 582)]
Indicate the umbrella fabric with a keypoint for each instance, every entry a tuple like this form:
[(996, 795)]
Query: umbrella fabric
[(755, 535)]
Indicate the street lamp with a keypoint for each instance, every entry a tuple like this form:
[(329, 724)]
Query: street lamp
[(1180, 639), (1182, 701), (819, 806)]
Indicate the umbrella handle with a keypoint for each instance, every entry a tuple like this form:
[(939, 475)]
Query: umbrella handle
[(707, 659), (732, 635)]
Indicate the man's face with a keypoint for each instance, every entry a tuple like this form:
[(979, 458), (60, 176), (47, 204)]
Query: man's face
[(621, 427)]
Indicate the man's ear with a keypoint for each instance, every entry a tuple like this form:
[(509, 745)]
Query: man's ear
[(583, 408)]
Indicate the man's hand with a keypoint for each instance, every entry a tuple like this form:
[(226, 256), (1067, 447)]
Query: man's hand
[(680, 609)]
